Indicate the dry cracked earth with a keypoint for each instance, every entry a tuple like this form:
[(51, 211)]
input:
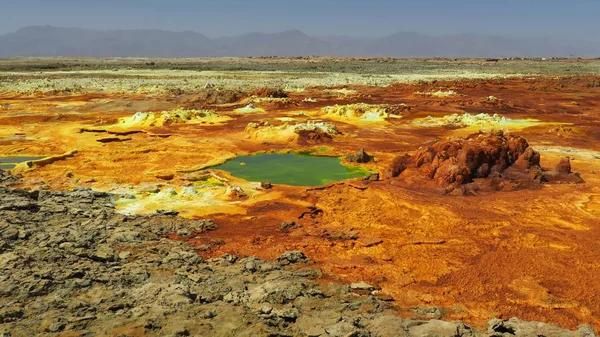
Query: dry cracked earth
[(482, 205)]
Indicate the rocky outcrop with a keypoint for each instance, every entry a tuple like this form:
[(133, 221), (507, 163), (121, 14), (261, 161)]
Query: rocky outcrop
[(70, 264), (399, 164), (316, 136), (366, 111), (308, 133), (562, 173), (463, 120), (460, 161), (171, 117), (359, 157)]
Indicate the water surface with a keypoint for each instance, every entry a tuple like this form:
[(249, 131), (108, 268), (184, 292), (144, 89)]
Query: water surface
[(291, 169), (7, 163)]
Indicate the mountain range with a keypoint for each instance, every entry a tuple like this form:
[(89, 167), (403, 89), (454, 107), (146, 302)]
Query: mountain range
[(61, 41)]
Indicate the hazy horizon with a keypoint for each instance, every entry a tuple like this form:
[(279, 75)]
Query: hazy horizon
[(552, 19), (333, 35)]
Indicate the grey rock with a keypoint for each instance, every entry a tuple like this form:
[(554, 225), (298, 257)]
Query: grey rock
[(291, 257), (57, 326), (435, 328), (361, 286), (10, 233), (315, 331), (515, 326), (250, 266), (388, 326), (266, 308), (341, 329), (181, 333)]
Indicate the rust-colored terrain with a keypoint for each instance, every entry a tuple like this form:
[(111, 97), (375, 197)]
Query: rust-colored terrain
[(469, 245)]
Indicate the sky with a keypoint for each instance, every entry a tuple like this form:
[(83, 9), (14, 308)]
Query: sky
[(573, 19)]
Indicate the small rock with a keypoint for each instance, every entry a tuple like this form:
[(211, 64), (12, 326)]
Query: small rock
[(266, 185), (167, 212), (104, 253), (203, 248), (182, 333), (436, 328), (250, 266), (23, 234), (289, 225), (10, 234), (235, 192), (183, 232), (372, 177), (208, 314), (288, 314), (66, 245), (291, 257), (57, 326), (266, 267), (586, 331), (315, 331), (229, 258), (340, 329), (384, 297), (266, 308), (168, 176), (361, 286), (149, 188)]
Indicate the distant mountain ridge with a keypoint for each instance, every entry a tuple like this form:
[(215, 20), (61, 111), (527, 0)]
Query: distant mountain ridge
[(60, 41)]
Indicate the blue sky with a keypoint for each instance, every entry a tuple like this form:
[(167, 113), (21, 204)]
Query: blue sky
[(566, 19)]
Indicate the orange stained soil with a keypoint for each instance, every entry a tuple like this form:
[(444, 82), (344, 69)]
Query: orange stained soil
[(531, 253)]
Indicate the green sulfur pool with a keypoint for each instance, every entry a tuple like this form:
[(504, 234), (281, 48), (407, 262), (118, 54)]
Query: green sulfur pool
[(7, 163), (291, 169)]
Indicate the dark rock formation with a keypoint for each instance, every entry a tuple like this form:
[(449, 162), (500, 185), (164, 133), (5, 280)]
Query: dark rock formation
[(359, 157), (112, 140)]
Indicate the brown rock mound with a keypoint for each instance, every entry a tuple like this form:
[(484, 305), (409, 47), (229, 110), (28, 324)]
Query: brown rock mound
[(307, 137), (501, 159)]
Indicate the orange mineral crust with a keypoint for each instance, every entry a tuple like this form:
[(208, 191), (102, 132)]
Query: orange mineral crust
[(525, 245)]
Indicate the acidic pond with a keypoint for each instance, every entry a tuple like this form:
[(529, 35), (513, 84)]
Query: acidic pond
[(7, 163), (291, 169)]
